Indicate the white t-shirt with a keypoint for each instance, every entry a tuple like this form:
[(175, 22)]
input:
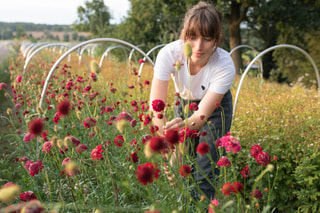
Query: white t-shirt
[(216, 76)]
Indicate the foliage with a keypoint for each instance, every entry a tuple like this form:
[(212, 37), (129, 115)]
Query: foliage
[(93, 18), (307, 175)]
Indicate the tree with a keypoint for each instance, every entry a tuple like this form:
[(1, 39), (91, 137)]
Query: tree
[(93, 18), (286, 22)]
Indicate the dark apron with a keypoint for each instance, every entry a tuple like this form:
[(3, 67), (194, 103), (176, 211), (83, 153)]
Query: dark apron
[(206, 172)]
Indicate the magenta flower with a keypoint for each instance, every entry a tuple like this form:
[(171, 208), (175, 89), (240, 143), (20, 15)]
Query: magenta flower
[(255, 149), (224, 161), (245, 172), (89, 122), (230, 143), (263, 158), (47, 146), (19, 77), (3, 85), (193, 106), (96, 153), (158, 105)]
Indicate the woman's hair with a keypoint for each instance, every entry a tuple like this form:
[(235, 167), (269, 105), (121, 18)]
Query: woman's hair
[(205, 19)]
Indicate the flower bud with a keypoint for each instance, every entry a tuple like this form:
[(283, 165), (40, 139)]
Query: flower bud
[(72, 168), (187, 50), (122, 125), (95, 67), (9, 193), (178, 65), (9, 111)]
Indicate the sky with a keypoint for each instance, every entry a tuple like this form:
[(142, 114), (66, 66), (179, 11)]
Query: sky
[(54, 11)]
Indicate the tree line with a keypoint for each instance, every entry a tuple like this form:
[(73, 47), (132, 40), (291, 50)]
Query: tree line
[(258, 23)]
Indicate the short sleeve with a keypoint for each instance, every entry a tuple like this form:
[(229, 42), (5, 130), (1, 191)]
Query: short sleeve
[(166, 59), (224, 75)]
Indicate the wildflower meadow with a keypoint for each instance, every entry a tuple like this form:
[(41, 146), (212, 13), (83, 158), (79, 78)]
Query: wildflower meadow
[(92, 146)]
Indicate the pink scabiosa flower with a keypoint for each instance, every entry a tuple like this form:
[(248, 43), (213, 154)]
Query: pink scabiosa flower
[(89, 122), (227, 188), (214, 203), (158, 105), (56, 117), (146, 82), (185, 170), (230, 143), (66, 161), (93, 76), (35, 168), (81, 148), (27, 196), (19, 77), (141, 61), (108, 109), (193, 106), (245, 172), (87, 88), (172, 136), (96, 153), (256, 194), (203, 148), (119, 140), (28, 137), (64, 107), (263, 158), (47, 146), (255, 149), (17, 106), (146, 173), (36, 126), (3, 85), (224, 161)]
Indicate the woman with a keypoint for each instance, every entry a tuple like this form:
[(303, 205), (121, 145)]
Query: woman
[(207, 82)]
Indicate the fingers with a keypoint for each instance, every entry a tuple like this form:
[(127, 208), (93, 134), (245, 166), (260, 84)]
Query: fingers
[(174, 123)]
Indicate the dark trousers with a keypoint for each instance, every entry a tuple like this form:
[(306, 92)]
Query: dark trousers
[(205, 170)]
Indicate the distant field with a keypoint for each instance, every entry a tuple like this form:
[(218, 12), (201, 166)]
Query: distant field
[(37, 34)]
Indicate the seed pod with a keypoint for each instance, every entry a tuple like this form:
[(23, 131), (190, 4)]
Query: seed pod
[(187, 50)]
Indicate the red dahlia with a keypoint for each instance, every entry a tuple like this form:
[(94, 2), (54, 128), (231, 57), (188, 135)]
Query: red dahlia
[(172, 136), (64, 107), (36, 126), (185, 170), (158, 105), (146, 173), (27, 196), (203, 148)]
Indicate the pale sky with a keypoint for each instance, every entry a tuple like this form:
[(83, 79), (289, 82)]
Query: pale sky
[(54, 11)]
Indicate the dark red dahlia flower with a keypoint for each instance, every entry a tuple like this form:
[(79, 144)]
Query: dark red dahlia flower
[(36, 126), (158, 105), (203, 148)]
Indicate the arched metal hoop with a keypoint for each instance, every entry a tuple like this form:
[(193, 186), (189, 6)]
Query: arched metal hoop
[(38, 50), (148, 53), (105, 54), (80, 45), (249, 47), (34, 47), (266, 51)]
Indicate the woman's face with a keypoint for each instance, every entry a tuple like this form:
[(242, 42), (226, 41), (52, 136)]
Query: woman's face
[(202, 48)]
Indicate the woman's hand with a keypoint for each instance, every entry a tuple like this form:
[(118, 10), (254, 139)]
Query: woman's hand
[(175, 123)]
